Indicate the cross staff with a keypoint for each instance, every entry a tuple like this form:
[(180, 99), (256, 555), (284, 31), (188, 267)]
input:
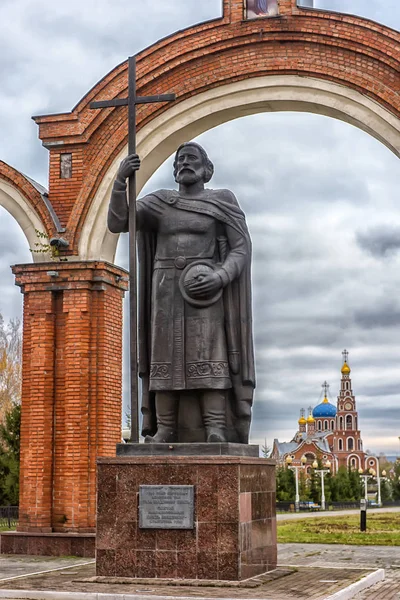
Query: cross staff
[(131, 101)]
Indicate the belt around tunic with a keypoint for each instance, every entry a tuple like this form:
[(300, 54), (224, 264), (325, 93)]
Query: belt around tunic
[(180, 262)]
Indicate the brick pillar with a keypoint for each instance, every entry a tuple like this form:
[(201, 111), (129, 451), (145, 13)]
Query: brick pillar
[(287, 7), (71, 389), (37, 399)]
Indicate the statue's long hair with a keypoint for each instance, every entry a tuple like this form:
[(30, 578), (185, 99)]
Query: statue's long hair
[(208, 166)]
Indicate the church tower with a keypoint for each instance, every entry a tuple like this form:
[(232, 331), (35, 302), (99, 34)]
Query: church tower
[(310, 423), (347, 442), (302, 422)]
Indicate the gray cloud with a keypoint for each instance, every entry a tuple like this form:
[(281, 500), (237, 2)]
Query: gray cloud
[(384, 12), (387, 315), (380, 241)]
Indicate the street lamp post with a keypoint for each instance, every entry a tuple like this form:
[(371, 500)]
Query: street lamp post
[(384, 483), (296, 469), (365, 480), (378, 480), (322, 473), (364, 502)]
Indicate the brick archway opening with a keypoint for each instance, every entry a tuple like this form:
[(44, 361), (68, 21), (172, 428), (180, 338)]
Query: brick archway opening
[(190, 118), (19, 207)]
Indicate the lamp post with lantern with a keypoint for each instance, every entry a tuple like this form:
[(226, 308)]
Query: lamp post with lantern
[(365, 480), (373, 474), (364, 502), (296, 468), (376, 474), (384, 478), (378, 479), (322, 473)]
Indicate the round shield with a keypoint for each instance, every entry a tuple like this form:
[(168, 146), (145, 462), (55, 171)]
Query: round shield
[(192, 274)]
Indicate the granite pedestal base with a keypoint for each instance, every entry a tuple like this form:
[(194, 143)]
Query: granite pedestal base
[(234, 533), (48, 544)]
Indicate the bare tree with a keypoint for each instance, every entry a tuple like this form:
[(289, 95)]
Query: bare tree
[(10, 365)]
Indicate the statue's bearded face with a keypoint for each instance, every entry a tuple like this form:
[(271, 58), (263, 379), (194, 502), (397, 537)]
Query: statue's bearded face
[(189, 166)]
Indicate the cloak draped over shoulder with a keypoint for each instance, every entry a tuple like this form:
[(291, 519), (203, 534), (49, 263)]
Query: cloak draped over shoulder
[(236, 308)]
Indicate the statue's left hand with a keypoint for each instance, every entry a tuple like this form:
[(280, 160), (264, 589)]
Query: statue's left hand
[(205, 285)]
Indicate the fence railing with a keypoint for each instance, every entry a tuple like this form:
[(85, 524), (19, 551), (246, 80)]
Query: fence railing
[(8, 517)]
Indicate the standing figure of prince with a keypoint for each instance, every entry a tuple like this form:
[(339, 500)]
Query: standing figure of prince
[(196, 358)]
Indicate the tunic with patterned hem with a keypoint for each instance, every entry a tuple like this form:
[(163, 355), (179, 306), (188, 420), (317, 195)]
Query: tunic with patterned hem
[(188, 348)]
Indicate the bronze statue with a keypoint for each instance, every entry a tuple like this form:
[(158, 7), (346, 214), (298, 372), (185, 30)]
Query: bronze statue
[(196, 358)]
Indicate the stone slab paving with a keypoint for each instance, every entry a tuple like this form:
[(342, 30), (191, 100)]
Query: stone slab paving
[(319, 571), (386, 590), (386, 557), (339, 555), (303, 582), (16, 566)]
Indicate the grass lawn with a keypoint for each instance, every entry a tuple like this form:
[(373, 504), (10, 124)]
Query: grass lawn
[(382, 530)]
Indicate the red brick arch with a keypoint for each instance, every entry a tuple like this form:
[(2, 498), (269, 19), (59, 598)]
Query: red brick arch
[(359, 55), (25, 203)]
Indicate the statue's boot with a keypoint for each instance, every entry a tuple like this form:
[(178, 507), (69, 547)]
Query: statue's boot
[(215, 435), (166, 412), (164, 435), (213, 410)]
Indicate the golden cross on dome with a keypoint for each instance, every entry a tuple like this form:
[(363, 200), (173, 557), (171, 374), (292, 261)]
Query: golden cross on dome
[(345, 355), (325, 385)]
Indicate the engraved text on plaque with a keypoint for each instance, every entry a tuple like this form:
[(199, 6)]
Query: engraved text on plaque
[(166, 506)]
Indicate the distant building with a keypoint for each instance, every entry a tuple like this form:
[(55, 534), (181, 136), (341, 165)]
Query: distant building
[(329, 433)]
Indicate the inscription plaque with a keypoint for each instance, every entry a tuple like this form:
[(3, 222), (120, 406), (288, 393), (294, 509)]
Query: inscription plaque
[(166, 506)]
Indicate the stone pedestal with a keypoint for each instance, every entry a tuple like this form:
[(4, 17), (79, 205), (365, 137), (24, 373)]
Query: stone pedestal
[(234, 534)]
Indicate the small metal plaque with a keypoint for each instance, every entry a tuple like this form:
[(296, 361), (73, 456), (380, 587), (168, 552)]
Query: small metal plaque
[(166, 506)]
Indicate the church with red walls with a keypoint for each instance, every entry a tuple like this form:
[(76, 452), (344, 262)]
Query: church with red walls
[(330, 433)]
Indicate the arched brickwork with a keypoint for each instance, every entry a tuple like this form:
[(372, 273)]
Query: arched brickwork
[(343, 66), (25, 203), (158, 139), (328, 52)]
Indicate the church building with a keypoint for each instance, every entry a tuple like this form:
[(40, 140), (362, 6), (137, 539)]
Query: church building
[(330, 433)]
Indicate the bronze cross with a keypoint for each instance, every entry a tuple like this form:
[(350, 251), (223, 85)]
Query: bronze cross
[(131, 101)]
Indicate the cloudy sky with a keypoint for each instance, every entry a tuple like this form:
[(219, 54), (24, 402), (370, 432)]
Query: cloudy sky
[(321, 198)]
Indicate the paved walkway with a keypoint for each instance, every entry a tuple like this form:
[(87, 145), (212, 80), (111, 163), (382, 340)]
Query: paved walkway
[(302, 583), (319, 571), (339, 555), (316, 555), (332, 513), (17, 566)]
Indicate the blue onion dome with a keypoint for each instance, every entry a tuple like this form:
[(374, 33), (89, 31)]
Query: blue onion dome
[(325, 409)]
